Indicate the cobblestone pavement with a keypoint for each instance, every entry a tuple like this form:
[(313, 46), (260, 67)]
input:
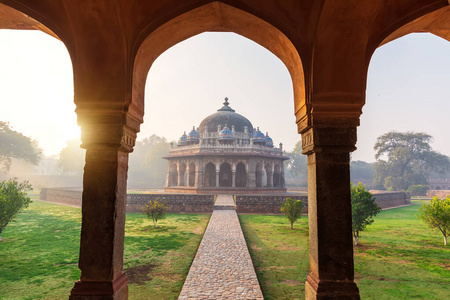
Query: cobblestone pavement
[(222, 268)]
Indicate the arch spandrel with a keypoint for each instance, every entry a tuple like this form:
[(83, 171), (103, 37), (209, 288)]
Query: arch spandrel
[(344, 43), (436, 22), (217, 16)]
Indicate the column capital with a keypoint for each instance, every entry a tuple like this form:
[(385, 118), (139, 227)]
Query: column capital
[(108, 125), (329, 139)]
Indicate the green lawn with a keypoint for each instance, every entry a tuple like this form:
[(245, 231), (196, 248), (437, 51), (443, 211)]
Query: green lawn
[(399, 257), (39, 253)]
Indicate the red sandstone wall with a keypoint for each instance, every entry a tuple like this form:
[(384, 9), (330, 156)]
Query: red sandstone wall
[(440, 193), (176, 203), (195, 203), (391, 199), (61, 196), (265, 204)]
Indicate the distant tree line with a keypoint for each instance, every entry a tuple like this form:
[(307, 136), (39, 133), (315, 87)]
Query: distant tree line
[(146, 167), (13, 144), (406, 159)]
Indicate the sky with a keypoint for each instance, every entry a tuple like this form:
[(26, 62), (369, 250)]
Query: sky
[(408, 89)]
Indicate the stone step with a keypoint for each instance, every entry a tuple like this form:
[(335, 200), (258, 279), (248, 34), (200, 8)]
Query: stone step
[(224, 207)]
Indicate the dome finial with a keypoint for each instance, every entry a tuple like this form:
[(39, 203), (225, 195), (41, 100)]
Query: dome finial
[(226, 106)]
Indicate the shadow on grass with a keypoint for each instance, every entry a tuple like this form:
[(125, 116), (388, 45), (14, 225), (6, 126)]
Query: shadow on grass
[(158, 243)]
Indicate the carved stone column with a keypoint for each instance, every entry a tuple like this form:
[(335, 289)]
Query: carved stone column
[(199, 175), (217, 178), (103, 211), (168, 175), (329, 209), (180, 177), (269, 179), (233, 179)]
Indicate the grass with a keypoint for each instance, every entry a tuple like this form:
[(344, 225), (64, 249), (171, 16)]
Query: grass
[(399, 257), (280, 255), (39, 253)]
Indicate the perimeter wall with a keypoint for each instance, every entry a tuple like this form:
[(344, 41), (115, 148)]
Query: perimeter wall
[(195, 203)]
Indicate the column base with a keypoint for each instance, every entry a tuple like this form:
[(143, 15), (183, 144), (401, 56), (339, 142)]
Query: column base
[(101, 290), (327, 290)]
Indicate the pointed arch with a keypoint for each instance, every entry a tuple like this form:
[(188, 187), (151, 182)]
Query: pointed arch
[(217, 16)]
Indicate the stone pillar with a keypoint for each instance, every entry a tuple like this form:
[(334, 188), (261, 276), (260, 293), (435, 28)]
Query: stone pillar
[(329, 210), (199, 175), (217, 179), (270, 179), (168, 175), (180, 177), (103, 214), (233, 179), (251, 179)]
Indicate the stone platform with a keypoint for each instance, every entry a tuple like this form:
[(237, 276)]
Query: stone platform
[(222, 268)]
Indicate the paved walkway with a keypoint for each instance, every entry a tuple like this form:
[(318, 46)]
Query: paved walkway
[(222, 268)]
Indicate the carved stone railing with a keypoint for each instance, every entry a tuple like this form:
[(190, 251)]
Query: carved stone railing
[(193, 149)]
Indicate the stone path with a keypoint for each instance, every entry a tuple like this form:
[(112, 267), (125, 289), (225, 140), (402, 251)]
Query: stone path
[(224, 202), (222, 268)]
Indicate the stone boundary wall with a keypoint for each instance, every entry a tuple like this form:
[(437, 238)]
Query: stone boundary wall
[(440, 193), (265, 204), (65, 196), (176, 203), (391, 199), (196, 203)]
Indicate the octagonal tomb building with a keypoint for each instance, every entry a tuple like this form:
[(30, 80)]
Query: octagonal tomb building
[(225, 154)]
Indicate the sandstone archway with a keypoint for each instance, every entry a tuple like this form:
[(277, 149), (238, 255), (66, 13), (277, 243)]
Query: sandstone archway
[(225, 176), (241, 175), (216, 16), (210, 175)]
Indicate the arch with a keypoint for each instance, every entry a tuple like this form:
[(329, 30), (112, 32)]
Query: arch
[(191, 174), (241, 175), (217, 16), (432, 18), (173, 175), (25, 18), (210, 175), (182, 174), (277, 176), (225, 175), (259, 175)]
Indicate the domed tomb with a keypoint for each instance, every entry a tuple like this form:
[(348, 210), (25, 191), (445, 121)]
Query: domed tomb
[(224, 117), (225, 154)]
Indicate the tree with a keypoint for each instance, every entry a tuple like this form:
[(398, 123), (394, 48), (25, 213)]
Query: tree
[(417, 190), (146, 165), (292, 210), (436, 214), (155, 163), (364, 209), (13, 144), (361, 170), (155, 210), (72, 157), (13, 198), (410, 160), (297, 162)]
